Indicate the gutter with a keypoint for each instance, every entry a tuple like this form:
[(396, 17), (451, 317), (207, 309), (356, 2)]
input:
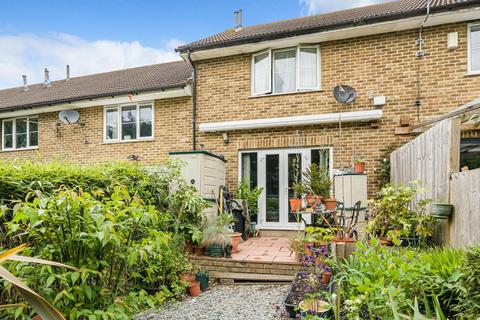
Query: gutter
[(194, 103), (332, 27)]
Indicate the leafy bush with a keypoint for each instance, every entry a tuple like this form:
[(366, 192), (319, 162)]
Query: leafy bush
[(468, 289), (123, 226), (376, 278), (250, 195), (114, 240)]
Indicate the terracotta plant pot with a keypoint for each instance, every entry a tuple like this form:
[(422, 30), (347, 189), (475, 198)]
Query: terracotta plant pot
[(194, 289), (359, 167), (188, 277), (313, 200), (330, 203), (308, 252), (198, 251), (343, 240), (326, 276), (235, 236), (37, 318), (295, 205)]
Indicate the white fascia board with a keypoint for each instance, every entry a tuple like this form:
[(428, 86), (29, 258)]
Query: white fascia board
[(345, 33), (328, 118), (105, 101)]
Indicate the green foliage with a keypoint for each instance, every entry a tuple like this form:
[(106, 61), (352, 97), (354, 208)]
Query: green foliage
[(115, 242), (383, 169), (468, 289), (250, 195), (377, 276), (320, 235), (123, 226), (394, 216), (317, 180)]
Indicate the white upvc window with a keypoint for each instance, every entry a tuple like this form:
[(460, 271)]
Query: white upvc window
[(286, 70), (20, 133), (128, 122), (474, 48)]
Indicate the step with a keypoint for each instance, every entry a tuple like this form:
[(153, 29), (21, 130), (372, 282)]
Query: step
[(237, 276)]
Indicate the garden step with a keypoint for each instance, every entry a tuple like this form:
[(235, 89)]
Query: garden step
[(237, 276)]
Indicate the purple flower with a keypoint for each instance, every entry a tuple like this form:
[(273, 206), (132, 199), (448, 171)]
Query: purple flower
[(309, 246)]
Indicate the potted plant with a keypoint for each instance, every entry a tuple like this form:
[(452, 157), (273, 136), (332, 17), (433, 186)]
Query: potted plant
[(203, 278), (317, 183), (215, 239), (245, 192), (303, 285), (313, 308), (296, 202), (326, 275), (197, 236), (359, 165), (394, 218)]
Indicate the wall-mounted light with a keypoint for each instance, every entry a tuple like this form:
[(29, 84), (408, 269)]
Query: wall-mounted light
[(225, 138), (133, 157)]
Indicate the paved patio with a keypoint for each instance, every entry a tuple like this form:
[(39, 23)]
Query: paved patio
[(264, 249)]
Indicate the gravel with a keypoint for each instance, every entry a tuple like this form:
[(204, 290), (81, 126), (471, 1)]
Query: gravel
[(225, 302)]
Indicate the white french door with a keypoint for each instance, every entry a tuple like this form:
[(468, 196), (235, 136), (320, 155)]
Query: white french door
[(274, 171)]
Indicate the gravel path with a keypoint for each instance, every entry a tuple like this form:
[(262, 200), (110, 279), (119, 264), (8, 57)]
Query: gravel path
[(225, 302)]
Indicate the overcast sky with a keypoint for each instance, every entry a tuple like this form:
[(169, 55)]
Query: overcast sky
[(102, 35)]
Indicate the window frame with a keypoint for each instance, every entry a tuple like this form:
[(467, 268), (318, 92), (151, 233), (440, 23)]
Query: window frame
[(118, 108), (14, 133), (469, 47), (271, 53), (269, 89)]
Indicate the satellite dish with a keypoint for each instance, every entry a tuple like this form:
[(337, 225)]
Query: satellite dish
[(344, 94), (69, 116)]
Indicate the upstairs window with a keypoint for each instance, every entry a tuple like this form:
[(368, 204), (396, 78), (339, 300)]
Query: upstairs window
[(286, 70), (129, 122), (474, 48), (20, 133)]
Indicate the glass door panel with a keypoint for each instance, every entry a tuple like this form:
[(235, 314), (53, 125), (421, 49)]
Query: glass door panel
[(272, 187), (294, 175)]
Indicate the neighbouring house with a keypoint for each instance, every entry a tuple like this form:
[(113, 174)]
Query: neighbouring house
[(262, 95), (138, 113)]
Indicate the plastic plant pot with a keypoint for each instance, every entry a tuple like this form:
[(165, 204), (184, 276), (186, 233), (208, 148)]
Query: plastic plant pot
[(203, 278), (215, 250), (295, 205), (441, 210)]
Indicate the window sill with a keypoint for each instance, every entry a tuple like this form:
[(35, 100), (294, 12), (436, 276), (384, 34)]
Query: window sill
[(127, 141), (283, 93), (20, 149), (472, 73)]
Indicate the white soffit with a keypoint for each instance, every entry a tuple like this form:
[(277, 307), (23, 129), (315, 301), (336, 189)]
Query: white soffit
[(105, 101), (306, 120), (345, 33)]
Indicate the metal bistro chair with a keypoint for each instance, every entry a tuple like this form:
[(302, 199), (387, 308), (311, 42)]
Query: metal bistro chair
[(350, 222)]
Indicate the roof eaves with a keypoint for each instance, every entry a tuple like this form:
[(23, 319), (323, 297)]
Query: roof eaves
[(337, 26), (89, 97)]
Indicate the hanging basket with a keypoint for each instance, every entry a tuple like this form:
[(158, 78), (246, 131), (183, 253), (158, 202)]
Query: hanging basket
[(441, 210)]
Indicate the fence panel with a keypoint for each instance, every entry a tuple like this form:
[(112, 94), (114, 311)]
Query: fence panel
[(465, 197)]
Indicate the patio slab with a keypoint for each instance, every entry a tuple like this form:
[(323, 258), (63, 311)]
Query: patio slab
[(264, 249)]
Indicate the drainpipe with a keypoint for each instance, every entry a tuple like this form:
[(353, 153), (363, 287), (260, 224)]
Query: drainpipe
[(194, 104)]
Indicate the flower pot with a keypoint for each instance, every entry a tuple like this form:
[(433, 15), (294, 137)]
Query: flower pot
[(313, 200), (441, 210), (187, 277), (194, 289), (37, 318), (235, 236), (319, 308), (330, 203), (359, 167), (295, 205), (308, 248), (202, 278), (215, 250), (343, 240), (198, 251), (326, 276)]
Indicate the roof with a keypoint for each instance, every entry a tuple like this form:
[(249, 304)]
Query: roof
[(388, 11), (134, 80)]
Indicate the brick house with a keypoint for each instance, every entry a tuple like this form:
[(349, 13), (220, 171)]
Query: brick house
[(262, 94)]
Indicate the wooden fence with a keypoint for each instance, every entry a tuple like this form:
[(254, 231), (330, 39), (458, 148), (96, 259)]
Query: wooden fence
[(431, 158), (434, 159), (465, 197)]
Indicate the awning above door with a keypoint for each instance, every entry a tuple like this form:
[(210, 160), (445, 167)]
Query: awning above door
[(306, 120)]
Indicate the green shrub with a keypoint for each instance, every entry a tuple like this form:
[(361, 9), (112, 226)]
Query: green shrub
[(376, 278), (114, 240), (468, 288)]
